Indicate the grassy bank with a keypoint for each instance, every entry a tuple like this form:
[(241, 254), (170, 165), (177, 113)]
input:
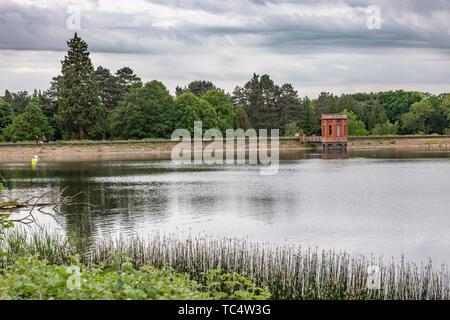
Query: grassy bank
[(288, 272)]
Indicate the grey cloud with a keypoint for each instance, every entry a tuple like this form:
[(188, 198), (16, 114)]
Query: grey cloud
[(31, 28), (308, 49)]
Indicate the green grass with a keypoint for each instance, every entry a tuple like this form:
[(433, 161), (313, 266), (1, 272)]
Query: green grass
[(287, 271)]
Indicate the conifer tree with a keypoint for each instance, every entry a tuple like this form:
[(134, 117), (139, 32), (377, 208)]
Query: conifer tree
[(80, 113)]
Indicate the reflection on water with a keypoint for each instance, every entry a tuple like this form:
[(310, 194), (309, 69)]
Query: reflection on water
[(386, 201)]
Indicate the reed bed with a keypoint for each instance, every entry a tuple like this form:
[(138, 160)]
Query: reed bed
[(288, 271)]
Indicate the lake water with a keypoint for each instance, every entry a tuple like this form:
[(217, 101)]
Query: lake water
[(386, 202)]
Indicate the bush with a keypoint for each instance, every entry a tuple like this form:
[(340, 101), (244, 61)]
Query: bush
[(385, 129), (232, 286), (31, 278)]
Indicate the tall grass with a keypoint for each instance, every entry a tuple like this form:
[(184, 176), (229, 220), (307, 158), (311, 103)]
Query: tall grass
[(288, 271)]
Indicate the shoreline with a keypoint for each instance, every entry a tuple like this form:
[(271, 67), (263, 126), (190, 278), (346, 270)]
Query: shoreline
[(161, 149)]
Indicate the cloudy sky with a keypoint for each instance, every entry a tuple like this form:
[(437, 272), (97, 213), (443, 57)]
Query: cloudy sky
[(317, 45)]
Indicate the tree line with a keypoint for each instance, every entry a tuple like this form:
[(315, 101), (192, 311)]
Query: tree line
[(87, 103)]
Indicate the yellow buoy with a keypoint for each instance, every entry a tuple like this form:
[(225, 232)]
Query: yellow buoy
[(34, 161)]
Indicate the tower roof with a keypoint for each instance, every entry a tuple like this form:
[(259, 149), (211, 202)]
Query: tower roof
[(332, 116)]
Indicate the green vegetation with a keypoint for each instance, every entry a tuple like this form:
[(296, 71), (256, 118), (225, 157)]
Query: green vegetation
[(80, 113), (190, 108), (224, 109), (198, 88), (86, 103), (385, 129), (28, 125), (6, 115), (292, 128), (33, 279), (356, 127), (30, 278), (144, 113), (288, 272)]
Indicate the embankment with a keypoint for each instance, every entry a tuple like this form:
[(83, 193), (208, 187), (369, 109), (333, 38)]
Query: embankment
[(401, 142), (161, 149), (109, 150)]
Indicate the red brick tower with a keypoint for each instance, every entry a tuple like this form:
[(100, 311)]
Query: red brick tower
[(334, 131)]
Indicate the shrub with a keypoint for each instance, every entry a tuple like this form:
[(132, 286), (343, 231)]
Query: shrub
[(30, 278), (232, 286), (385, 129)]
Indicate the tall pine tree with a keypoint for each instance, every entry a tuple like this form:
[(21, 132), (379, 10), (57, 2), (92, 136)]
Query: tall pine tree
[(80, 113)]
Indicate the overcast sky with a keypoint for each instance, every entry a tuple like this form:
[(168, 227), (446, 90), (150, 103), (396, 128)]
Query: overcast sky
[(317, 45)]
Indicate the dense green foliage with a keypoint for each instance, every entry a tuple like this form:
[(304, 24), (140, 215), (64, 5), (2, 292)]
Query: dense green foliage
[(197, 87), (17, 100), (87, 103), (6, 115), (28, 125), (224, 109), (385, 129), (145, 112), (190, 108), (112, 88), (355, 127), (33, 279), (80, 113)]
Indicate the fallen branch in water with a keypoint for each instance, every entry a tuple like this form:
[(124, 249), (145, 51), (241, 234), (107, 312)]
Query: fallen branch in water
[(8, 208), (11, 205)]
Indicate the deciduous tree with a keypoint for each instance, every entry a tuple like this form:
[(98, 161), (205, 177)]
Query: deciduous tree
[(28, 125), (355, 126), (145, 112), (190, 108), (223, 107)]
